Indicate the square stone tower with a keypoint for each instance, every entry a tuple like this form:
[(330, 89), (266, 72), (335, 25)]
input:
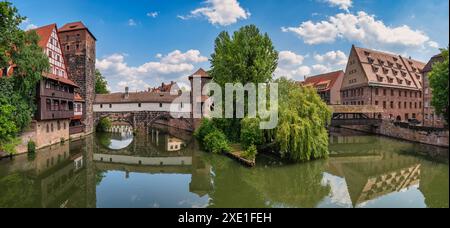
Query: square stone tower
[(78, 47)]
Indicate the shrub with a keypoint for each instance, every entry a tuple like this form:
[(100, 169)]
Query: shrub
[(104, 124), (251, 134), (250, 153), (216, 142), (206, 127), (9, 146), (31, 147)]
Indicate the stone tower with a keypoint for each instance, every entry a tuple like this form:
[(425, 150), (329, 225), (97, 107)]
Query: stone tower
[(198, 101), (78, 46)]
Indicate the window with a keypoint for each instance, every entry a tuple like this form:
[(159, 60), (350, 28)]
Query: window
[(405, 105), (406, 116), (78, 46), (139, 105), (376, 91), (101, 106), (414, 115), (58, 124), (160, 105), (48, 105), (399, 105), (420, 104), (400, 93), (384, 104), (376, 102), (392, 92), (410, 105), (384, 92), (110, 105), (68, 47), (392, 105), (48, 129), (51, 126)]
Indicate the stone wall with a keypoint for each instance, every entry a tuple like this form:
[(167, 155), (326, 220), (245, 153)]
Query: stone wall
[(425, 135), (57, 130)]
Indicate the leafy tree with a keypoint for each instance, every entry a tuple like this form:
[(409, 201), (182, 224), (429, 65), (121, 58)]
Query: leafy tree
[(439, 84), (248, 56), (104, 124), (301, 133), (101, 85), (216, 142), (251, 134), (21, 50), (206, 127)]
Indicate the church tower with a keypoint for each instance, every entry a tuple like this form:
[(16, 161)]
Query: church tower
[(78, 45)]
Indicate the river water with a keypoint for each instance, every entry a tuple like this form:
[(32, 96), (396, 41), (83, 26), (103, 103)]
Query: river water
[(166, 169)]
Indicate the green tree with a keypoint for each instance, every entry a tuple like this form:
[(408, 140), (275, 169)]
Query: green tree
[(21, 50), (246, 57), (301, 133), (439, 84), (101, 85)]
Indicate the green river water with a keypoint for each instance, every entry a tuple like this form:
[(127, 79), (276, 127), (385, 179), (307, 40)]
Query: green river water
[(165, 169)]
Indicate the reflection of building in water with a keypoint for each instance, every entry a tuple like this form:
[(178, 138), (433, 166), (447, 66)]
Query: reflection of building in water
[(59, 177), (367, 180), (173, 144), (157, 153), (121, 127)]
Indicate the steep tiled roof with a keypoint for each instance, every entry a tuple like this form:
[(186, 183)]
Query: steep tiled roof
[(391, 70), (44, 33), (59, 79), (139, 97), (75, 26), (200, 73), (328, 80), (433, 60)]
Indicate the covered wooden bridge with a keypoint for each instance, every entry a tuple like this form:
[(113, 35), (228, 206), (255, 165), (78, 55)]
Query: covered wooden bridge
[(348, 115)]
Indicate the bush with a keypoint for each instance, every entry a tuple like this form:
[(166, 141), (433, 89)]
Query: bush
[(230, 127), (206, 127), (104, 124), (9, 146), (216, 142), (250, 153), (251, 134), (31, 147)]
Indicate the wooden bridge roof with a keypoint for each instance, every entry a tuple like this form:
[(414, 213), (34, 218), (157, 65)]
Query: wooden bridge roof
[(356, 109)]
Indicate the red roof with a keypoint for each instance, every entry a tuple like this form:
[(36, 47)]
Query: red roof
[(60, 79), (45, 33), (78, 98), (200, 73), (328, 79), (75, 26)]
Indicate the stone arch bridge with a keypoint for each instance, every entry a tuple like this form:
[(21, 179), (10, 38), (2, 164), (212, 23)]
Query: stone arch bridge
[(144, 120)]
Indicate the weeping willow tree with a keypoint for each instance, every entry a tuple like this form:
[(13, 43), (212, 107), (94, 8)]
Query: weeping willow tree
[(301, 133)]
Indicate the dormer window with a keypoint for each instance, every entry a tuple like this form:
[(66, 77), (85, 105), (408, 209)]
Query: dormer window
[(391, 64), (375, 69), (395, 59), (399, 81), (403, 73), (390, 80), (385, 70), (371, 60), (395, 72), (380, 78), (381, 62), (408, 82), (366, 53), (418, 76), (399, 66)]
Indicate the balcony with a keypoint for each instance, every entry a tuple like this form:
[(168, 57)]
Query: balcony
[(76, 129), (57, 94), (55, 115)]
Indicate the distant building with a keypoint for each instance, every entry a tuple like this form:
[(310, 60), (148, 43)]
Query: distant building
[(172, 88), (328, 86), (386, 80), (55, 92), (199, 102), (79, 50), (430, 118)]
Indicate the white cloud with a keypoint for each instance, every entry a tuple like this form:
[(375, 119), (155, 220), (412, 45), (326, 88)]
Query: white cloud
[(30, 27), (342, 4), (293, 66), (171, 67), (433, 44), (290, 66), (335, 58), (320, 69), (152, 14), (220, 12), (131, 22), (362, 28)]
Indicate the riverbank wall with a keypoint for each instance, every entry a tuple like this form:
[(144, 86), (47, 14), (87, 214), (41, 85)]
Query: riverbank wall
[(425, 135)]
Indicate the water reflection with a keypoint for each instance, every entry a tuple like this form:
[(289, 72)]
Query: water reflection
[(165, 169)]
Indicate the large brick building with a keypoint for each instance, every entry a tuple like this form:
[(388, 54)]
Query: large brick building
[(79, 48), (328, 86), (430, 118), (387, 80)]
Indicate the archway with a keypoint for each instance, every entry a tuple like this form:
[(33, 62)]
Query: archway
[(399, 119)]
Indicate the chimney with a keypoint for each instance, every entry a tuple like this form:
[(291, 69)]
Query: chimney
[(127, 94)]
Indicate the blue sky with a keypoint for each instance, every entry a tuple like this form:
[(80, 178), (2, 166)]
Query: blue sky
[(142, 43)]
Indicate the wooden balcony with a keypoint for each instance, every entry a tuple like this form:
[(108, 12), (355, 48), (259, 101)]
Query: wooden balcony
[(57, 94), (55, 115)]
